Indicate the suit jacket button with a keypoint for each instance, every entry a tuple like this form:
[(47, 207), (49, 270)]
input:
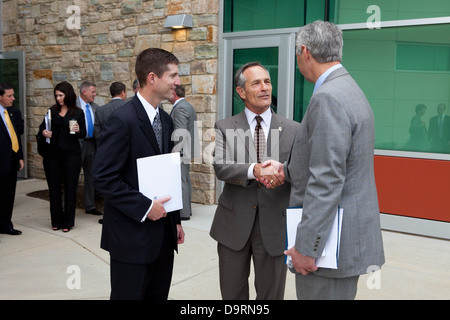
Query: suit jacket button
[(255, 206)]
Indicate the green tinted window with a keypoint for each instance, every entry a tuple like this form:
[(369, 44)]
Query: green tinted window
[(404, 73), (361, 11), (246, 15)]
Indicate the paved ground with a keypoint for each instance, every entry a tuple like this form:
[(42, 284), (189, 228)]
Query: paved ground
[(44, 264)]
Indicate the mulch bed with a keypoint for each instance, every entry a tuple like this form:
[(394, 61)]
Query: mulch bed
[(43, 194)]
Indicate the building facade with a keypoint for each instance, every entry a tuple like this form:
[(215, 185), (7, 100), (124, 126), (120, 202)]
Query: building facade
[(397, 50)]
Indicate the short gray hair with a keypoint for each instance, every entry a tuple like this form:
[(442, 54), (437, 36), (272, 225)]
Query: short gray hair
[(323, 39), (239, 78)]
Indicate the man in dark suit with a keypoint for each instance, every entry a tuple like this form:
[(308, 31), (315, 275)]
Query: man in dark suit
[(184, 121), (137, 231), (250, 220), (11, 158), (88, 144), (119, 94), (439, 131)]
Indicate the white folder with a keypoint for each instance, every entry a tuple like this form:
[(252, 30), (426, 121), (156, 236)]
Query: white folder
[(160, 176), (330, 254)]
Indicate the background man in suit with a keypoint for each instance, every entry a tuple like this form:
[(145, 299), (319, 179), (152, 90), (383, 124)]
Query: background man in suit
[(184, 118), (439, 131), (88, 145), (119, 94), (138, 233), (11, 158), (250, 220), (331, 164)]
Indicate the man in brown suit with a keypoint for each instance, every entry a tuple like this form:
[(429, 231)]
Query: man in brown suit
[(250, 220)]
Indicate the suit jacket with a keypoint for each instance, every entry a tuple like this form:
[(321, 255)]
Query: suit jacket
[(331, 164), (7, 156), (62, 142), (438, 143), (128, 135), (242, 198), (184, 117), (102, 114)]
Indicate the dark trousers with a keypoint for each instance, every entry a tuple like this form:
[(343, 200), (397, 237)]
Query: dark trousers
[(144, 281), (7, 195), (62, 179)]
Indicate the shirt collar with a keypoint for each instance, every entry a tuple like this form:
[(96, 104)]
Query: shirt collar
[(151, 111), (324, 75), (176, 102), (266, 115)]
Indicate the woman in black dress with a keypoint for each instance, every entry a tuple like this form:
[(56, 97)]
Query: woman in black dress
[(59, 146)]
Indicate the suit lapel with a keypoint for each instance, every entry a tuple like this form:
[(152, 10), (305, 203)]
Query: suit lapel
[(274, 138), (145, 124), (165, 132), (242, 130)]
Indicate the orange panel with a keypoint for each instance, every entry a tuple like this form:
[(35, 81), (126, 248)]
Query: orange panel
[(411, 187)]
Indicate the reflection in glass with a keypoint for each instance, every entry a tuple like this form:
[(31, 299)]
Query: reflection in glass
[(398, 69)]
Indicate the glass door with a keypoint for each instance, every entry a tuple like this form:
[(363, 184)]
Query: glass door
[(12, 71), (276, 53)]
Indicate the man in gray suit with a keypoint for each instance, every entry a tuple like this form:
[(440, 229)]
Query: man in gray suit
[(185, 137), (250, 221), (331, 165), (118, 93), (88, 145)]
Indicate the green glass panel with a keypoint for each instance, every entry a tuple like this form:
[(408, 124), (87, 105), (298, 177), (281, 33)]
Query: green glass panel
[(246, 15), (9, 73), (360, 11), (268, 57), (399, 69)]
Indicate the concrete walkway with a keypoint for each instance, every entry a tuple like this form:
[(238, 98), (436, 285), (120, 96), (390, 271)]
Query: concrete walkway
[(43, 264)]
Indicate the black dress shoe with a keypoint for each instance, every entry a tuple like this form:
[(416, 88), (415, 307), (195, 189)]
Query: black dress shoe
[(11, 231), (95, 212)]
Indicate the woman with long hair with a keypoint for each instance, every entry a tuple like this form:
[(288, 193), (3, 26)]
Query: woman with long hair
[(58, 144)]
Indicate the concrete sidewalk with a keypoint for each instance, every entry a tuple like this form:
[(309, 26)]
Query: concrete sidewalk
[(43, 264)]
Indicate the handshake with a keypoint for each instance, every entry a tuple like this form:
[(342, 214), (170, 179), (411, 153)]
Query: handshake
[(270, 173)]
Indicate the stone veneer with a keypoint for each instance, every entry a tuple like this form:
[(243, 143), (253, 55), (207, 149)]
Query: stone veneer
[(103, 49)]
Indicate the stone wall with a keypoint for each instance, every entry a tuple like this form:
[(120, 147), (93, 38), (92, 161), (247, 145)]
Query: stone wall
[(102, 46)]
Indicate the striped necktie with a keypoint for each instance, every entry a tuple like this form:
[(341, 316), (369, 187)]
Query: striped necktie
[(12, 133)]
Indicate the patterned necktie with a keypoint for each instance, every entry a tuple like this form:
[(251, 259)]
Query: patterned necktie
[(259, 139), (12, 133), (90, 125), (157, 129)]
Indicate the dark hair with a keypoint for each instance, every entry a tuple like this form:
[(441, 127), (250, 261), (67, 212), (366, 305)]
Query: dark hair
[(180, 91), (420, 107), (70, 98), (154, 60), (4, 87), (116, 88)]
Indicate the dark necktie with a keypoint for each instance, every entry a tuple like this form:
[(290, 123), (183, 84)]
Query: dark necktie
[(157, 128), (90, 125), (259, 139)]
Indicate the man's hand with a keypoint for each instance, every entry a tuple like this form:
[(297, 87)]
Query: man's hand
[(302, 264), (180, 234), (271, 174), (158, 211)]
